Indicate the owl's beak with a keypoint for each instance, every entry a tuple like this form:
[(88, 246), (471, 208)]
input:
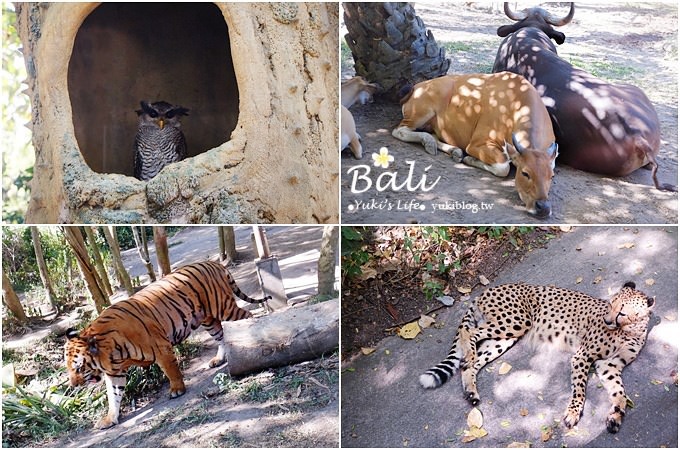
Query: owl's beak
[(161, 123)]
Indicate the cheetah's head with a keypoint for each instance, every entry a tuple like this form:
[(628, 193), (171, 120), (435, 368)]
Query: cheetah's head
[(628, 307)]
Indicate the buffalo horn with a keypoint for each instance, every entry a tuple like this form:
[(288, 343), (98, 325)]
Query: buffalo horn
[(512, 14), (557, 21)]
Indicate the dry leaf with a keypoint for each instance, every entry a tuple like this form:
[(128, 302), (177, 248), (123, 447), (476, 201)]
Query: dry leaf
[(523, 412), (475, 419), (425, 321), (597, 279), (649, 281), (656, 382), (367, 350), (519, 445), (392, 311), (505, 368), (627, 245), (565, 228), (484, 280), (505, 423), (367, 273), (546, 434), (464, 289), (578, 280), (409, 331), (473, 433), (446, 300), (629, 403)]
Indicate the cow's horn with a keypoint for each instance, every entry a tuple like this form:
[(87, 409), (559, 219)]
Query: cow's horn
[(512, 14), (559, 21)]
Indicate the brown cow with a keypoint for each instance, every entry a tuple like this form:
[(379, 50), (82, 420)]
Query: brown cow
[(357, 89), (494, 119), (348, 133)]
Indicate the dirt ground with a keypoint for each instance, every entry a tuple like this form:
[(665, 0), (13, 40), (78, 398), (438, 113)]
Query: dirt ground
[(371, 309), (633, 43)]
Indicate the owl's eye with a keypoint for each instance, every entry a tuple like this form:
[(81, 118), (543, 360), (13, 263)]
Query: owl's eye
[(153, 114), (170, 114)]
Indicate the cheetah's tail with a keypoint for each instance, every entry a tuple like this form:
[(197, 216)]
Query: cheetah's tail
[(439, 374)]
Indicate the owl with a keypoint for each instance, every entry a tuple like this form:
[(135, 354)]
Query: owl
[(159, 139)]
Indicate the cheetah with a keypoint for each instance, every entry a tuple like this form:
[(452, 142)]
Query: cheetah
[(609, 334)]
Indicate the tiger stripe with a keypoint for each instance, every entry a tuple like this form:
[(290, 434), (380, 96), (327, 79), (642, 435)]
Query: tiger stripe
[(142, 329)]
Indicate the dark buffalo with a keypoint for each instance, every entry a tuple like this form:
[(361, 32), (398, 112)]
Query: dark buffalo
[(600, 127)]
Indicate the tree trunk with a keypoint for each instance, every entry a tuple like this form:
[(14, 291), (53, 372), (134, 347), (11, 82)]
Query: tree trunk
[(160, 239), (285, 337), (84, 142), (123, 276), (391, 46), (75, 239), (98, 261), (42, 268), (227, 241), (9, 298), (327, 257), (143, 250)]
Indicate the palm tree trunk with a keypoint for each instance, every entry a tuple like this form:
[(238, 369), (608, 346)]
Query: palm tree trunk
[(391, 45)]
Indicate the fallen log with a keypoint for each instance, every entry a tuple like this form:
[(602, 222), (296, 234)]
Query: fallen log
[(284, 337)]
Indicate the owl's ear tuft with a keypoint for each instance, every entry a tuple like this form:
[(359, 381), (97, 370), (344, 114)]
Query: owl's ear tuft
[(146, 108), (181, 111)]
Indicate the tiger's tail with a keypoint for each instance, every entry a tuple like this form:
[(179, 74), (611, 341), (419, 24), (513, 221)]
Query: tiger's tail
[(239, 293)]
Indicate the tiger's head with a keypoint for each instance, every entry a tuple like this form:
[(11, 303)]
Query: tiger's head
[(80, 354)]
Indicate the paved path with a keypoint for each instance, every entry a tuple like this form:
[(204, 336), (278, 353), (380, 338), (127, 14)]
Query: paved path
[(384, 406)]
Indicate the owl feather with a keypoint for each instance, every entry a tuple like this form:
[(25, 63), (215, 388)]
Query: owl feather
[(159, 139)]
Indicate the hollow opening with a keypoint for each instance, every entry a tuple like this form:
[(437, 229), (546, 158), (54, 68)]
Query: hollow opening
[(127, 52)]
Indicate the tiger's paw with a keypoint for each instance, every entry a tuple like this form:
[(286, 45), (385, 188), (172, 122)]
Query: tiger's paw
[(177, 392), (106, 422)]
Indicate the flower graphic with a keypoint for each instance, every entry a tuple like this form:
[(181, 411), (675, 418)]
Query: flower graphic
[(383, 159)]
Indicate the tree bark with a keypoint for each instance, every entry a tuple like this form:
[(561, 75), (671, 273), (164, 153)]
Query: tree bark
[(227, 241), (122, 274), (327, 257), (42, 268), (75, 239), (10, 298), (391, 46), (285, 337), (160, 239), (293, 45), (143, 250), (98, 261)]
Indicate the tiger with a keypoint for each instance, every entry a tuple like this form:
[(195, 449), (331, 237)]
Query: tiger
[(143, 329)]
